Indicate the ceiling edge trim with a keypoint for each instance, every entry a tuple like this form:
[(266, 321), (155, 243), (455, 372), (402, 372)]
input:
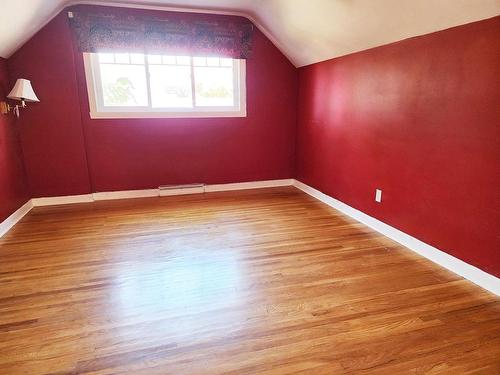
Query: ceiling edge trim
[(250, 17)]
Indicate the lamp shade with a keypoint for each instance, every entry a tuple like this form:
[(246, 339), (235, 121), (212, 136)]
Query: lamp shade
[(23, 91)]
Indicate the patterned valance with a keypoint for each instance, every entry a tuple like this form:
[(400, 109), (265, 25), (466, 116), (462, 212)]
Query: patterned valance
[(175, 34)]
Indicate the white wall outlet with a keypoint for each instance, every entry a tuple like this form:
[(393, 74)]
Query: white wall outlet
[(378, 195)]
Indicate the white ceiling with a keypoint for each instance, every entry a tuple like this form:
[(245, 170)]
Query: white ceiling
[(306, 31)]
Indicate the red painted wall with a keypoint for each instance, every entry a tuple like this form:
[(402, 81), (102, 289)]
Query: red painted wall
[(51, 131), (419, 119), (14, 190), (145, 153)]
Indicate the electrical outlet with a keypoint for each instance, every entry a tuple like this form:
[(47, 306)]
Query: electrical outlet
[(378, 195)]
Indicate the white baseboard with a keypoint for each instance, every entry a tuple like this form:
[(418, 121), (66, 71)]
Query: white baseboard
[(182, 191), (248, 185), (12, 220), (125, 194), (129, 194), (69, 199), (469, 272)]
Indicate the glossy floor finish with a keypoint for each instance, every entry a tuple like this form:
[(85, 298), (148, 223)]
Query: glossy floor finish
[(265, 281)]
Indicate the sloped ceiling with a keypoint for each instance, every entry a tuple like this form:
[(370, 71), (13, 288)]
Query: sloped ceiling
[(306, 31)]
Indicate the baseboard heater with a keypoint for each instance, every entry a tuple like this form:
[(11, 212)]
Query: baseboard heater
[(166, 190)]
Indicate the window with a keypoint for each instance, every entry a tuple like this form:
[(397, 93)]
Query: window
[(130, 85)]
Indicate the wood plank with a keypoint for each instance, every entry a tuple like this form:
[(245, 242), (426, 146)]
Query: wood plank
[(264, 281)]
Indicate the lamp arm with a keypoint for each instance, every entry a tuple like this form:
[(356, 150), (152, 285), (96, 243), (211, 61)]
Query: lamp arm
[(6, 108)]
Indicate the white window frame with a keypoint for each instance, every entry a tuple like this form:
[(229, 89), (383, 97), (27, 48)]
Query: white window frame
[(99, 111)]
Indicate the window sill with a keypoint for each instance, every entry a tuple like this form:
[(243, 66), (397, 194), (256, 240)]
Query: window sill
[(165, 115)]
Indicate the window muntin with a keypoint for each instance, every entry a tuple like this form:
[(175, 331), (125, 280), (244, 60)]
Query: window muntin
[(123, 85)]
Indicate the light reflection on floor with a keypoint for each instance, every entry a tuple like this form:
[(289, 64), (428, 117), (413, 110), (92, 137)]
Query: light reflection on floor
[(181, 286), (179, 283)]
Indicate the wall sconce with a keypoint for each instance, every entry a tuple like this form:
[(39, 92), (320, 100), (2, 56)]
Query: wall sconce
[(22, 91)]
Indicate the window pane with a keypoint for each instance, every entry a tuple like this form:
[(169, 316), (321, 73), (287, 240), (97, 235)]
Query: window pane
[(169, 60), (136, 58), (106, 58), (124, 85), (214, 86), (226, 62), (154, 59), (122, 58), (212, 61), (170, 86), (183, 60), (199, 61)]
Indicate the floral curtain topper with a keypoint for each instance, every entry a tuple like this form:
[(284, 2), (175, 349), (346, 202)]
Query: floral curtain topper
[(172, 34)]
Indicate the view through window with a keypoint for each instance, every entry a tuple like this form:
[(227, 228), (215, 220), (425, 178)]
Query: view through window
[(124, 84)]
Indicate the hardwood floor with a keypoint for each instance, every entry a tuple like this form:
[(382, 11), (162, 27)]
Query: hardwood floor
[(263, 281)]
